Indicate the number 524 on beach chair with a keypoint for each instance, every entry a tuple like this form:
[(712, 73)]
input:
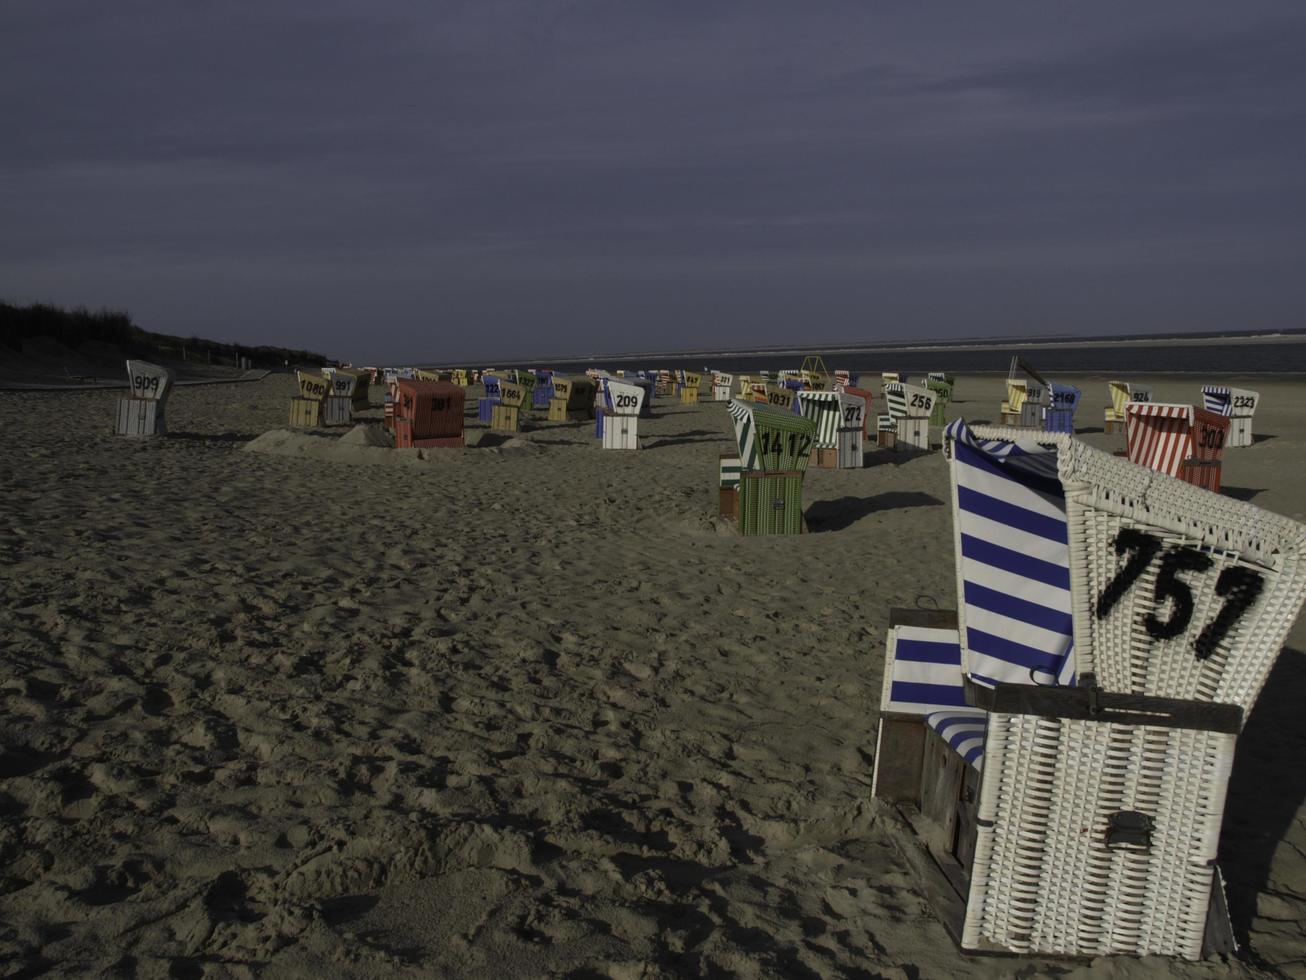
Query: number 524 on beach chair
[(1075, 731)]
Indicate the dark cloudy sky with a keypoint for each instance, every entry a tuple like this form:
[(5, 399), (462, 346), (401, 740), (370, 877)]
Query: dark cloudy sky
[(439, 180)]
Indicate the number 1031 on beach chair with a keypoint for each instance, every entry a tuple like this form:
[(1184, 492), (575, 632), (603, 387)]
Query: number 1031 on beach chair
[(1067, 779)]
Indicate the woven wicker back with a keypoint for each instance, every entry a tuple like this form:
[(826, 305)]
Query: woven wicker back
[(1178, 592)]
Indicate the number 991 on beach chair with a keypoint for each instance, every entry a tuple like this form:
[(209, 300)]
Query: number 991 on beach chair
[(1066, 777)]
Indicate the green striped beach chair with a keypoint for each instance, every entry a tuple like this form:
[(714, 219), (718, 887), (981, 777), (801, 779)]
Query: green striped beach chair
[(774, 450), (942, 388), (1115, 626)]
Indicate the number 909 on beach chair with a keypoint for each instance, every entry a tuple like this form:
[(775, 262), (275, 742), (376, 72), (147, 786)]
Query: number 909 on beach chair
[(1115, 626), (142, 412), (774, 450)]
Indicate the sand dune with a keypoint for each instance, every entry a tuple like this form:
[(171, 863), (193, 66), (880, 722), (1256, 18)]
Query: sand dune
[(309, 707)]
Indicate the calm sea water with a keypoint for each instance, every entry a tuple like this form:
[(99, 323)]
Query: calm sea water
[(1216, 360)]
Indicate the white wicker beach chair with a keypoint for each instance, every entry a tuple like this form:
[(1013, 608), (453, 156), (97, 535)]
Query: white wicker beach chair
[(1099, 797), (1238, 405), (909, 409)]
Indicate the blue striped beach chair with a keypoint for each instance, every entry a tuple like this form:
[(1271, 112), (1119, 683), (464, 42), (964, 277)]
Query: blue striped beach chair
[(1059, 414), (1108, 691), (1236, 404), (485, 405)]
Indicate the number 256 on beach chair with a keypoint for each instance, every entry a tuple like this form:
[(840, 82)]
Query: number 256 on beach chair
[(1116, 626)]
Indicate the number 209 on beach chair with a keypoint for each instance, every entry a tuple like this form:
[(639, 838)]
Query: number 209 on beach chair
[(1115, 627)]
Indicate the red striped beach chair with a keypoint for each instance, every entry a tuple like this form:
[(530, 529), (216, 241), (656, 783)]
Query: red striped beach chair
[(1179, 440)]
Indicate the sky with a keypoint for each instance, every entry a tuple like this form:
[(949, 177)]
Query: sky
[(442, 181)]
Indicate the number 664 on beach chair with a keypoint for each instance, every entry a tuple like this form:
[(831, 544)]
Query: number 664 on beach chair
[(1115, 627)]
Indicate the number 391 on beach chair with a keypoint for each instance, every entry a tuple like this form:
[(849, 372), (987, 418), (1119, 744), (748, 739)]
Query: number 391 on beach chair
[(429, 414), (142, 412), (774, 450), (1080, 814)]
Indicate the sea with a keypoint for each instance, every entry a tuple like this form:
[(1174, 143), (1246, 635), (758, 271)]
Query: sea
[(1216, 358)]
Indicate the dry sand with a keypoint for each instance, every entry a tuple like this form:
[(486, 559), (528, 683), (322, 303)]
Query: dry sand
[(529, 710)]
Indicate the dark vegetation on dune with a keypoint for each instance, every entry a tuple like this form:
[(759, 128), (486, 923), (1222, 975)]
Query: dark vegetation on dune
[(73, 328)]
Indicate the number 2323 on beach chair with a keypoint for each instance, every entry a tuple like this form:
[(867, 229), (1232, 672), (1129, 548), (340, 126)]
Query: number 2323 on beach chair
[(1115, 627)]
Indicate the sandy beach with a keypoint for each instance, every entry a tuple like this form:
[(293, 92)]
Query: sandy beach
[(291, 705)]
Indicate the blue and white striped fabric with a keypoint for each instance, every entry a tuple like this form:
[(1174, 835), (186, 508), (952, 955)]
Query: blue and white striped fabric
[(1013, 561), (922, 671), (963, 730), (1218, 400)]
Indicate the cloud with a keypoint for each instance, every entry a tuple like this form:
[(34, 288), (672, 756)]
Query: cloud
[(733, 170)]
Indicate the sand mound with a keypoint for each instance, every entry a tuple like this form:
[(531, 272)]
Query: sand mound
[(367, 435)]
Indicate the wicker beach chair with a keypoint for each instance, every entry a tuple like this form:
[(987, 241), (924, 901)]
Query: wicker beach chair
[(1059, 415), (909, 410), (143, 412), (485, 405), (1095, 800), (1122, 394), (774, 450), (1179, 440), (722, 386), (622, 402), (942, 389), (824, 409), (1239, 405)]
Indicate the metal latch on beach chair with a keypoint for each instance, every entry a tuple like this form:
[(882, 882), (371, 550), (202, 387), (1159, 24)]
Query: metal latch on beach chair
[(1129, 830)]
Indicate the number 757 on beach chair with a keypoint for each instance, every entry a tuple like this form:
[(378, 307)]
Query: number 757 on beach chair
[(1115, 626)]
